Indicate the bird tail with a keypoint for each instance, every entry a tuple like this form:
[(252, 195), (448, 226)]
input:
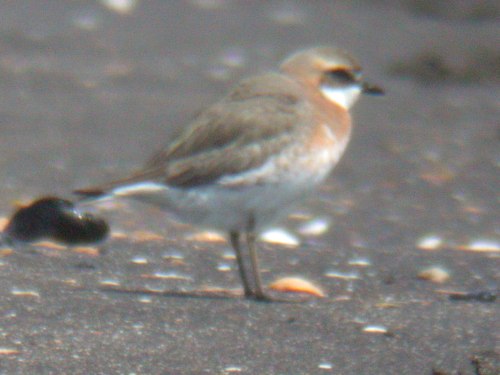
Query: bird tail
[(110, 188)]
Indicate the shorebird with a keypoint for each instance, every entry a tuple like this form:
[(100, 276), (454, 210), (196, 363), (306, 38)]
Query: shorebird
[(244, 161)]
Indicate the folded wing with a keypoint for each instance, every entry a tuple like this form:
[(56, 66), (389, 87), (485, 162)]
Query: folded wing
[(238, 133)]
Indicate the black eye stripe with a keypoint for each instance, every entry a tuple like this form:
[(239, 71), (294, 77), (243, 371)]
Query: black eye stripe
[(341, 75)]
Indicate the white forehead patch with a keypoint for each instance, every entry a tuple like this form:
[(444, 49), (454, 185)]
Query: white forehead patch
[(343, 96)]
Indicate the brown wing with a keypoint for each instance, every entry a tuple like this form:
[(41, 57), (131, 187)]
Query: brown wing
[(257, 108), (237, 133), (208, 167)]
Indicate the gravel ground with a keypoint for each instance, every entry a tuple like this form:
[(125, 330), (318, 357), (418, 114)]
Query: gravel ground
[(403, 238)]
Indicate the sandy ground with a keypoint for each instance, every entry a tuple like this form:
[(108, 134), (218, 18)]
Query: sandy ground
[(89, 89)]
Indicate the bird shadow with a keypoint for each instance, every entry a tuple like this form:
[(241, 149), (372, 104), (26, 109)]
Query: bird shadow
[(208, 294)]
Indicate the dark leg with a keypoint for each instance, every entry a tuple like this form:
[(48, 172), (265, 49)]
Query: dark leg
[(234, 237), (251, 238)]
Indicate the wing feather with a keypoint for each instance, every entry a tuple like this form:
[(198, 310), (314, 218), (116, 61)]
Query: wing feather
[(238, 133)]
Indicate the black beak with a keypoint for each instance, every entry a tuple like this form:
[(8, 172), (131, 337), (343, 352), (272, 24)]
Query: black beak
[(372, 89)]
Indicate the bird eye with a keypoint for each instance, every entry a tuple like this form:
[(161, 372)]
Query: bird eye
[(341, 76)]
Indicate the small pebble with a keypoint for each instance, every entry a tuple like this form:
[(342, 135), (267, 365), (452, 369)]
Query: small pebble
[(8, 351), (224, 267), (172, 275), (139, 260), (430, 242), (206, 236), (280, 237), (146, 236), (359, 262), (118, 235), (375, 329), (123, 7), (325, 366), (296, 285), (87, 250), (229, 255), (109, 282), (342, 275), (24, 292), (145, 299), (434, 274), (315, 227), (481, 245), (233, 369), (50, 245)]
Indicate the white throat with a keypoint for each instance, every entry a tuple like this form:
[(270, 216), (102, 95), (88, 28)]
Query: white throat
[(343, 96)]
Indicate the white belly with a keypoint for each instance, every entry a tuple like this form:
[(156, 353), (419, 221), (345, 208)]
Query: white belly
[(226, 209), (265, 193)]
